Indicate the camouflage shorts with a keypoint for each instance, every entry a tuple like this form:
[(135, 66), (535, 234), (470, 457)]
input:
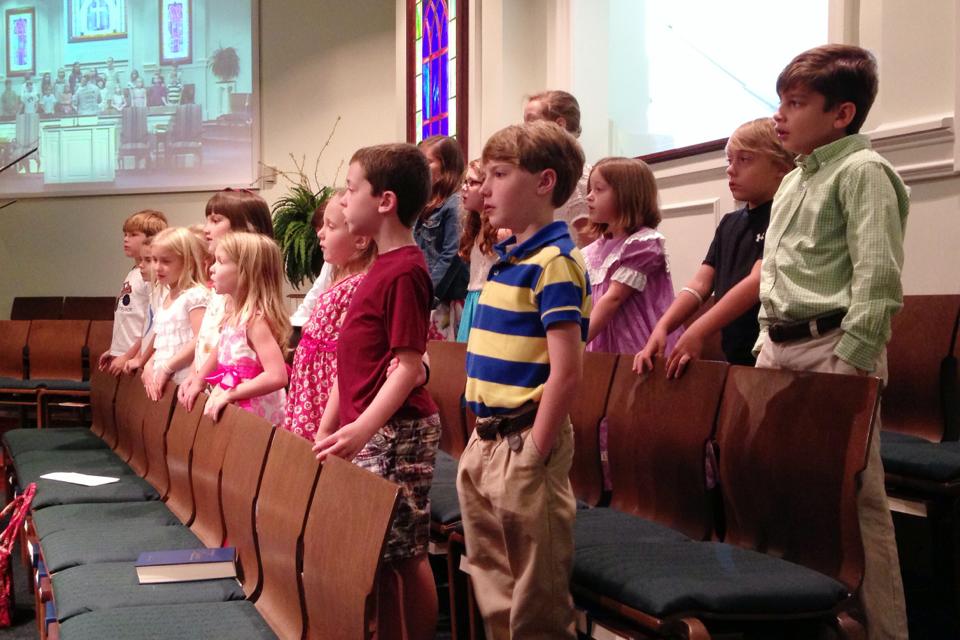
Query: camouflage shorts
[(404, 451)]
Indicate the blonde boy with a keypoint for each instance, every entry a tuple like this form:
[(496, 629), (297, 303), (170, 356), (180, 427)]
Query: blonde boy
[(523, 367), (830, 279), (134, 298), (756, 163)]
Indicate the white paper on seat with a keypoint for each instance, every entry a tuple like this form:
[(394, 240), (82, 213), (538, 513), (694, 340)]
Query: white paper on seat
[(79, 478)]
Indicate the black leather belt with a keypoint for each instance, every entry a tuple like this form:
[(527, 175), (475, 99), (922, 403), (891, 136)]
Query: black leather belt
[(503, 425), (787, 332)]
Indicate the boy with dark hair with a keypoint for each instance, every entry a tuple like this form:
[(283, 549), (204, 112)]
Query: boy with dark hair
[(830, 276), (134, 298), (524, 363), (390, 425)]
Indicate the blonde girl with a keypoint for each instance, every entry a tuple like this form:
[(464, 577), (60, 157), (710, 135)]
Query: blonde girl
[(226, 211), (627, 264), (248, 368), (315, 362), (178, 267)]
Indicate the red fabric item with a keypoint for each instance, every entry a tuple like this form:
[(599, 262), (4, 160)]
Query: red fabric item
[(389, 311), (17, 509)]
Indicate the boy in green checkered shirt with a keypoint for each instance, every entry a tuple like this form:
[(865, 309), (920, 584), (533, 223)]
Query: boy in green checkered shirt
[(830, 277)]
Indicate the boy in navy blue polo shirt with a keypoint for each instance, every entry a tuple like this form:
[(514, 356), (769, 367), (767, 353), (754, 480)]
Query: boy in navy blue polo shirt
[(756, 163)]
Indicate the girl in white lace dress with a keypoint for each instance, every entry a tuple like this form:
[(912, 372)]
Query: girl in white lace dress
[(248, 368), (178, 266)]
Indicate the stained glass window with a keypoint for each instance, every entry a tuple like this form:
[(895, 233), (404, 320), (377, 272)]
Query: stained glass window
[(436, 32)]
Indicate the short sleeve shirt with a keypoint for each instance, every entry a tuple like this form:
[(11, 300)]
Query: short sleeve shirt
[(390, 311), (736, 247), (534, 285), (129, 315)]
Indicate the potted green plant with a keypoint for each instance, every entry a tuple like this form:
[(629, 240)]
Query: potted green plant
[(293, 228), (293, 219), (225, 63)]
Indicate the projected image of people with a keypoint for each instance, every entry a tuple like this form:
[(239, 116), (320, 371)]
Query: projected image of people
[(116, 96)]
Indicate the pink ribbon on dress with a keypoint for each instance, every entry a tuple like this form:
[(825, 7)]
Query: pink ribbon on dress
[(229, 376), (312, 345)]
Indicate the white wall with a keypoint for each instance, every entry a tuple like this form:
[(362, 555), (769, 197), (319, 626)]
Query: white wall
[(318, 61), (912, 124)]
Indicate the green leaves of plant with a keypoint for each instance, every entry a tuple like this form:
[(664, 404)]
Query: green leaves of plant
[(293, 228)]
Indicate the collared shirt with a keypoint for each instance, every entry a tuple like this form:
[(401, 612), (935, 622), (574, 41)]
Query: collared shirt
[(835, 243), (533, 285)]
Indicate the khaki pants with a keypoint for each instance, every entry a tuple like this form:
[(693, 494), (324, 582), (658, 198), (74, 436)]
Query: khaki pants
[(518, 513), (881, 593)]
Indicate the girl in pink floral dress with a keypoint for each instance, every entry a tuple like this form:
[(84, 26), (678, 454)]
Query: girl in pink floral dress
[(248, 368), (315, 362)]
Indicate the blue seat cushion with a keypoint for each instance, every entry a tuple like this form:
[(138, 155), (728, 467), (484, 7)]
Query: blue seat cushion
[(72, 547), (667, 578), (101, 514), (61, 385), (94, 587), (130, 488), (211, 621), (18, 384), (915, 457), (19, 441), (601, 526), (103, 462)]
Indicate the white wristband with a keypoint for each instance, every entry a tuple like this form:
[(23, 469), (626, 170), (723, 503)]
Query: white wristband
[(694, 293)]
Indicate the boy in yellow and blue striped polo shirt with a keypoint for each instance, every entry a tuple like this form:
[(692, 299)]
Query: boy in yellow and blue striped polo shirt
[(524, 363)]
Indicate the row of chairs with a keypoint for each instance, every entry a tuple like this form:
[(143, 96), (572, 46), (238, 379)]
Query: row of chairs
[(42, 361), (308, 541), (60, 308), (693, 534)]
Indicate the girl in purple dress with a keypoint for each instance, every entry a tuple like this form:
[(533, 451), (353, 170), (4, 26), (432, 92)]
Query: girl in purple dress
[(627, 264)]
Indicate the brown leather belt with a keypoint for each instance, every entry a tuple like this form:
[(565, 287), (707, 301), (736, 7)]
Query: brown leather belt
[(503, 425), (787, 332)]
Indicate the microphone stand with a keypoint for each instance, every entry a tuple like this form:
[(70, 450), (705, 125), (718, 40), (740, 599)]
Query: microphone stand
[(10, 164)]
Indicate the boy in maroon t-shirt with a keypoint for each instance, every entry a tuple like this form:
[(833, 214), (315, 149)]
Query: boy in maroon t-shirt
[(390, 425)]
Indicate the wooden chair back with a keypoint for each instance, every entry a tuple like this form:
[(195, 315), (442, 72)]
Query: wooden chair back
[(98, 340), (448, 379), (206, 463), (589, 407), (243, 465), (13, 341), (98, 308), (917, 354), (792, 445), (712, 347), (131, 396), (156, 421), (103, 393), (658, 434), (137, 410), (55, 349), (342, 545), (36, 308), (180, 439), (285, 493)]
